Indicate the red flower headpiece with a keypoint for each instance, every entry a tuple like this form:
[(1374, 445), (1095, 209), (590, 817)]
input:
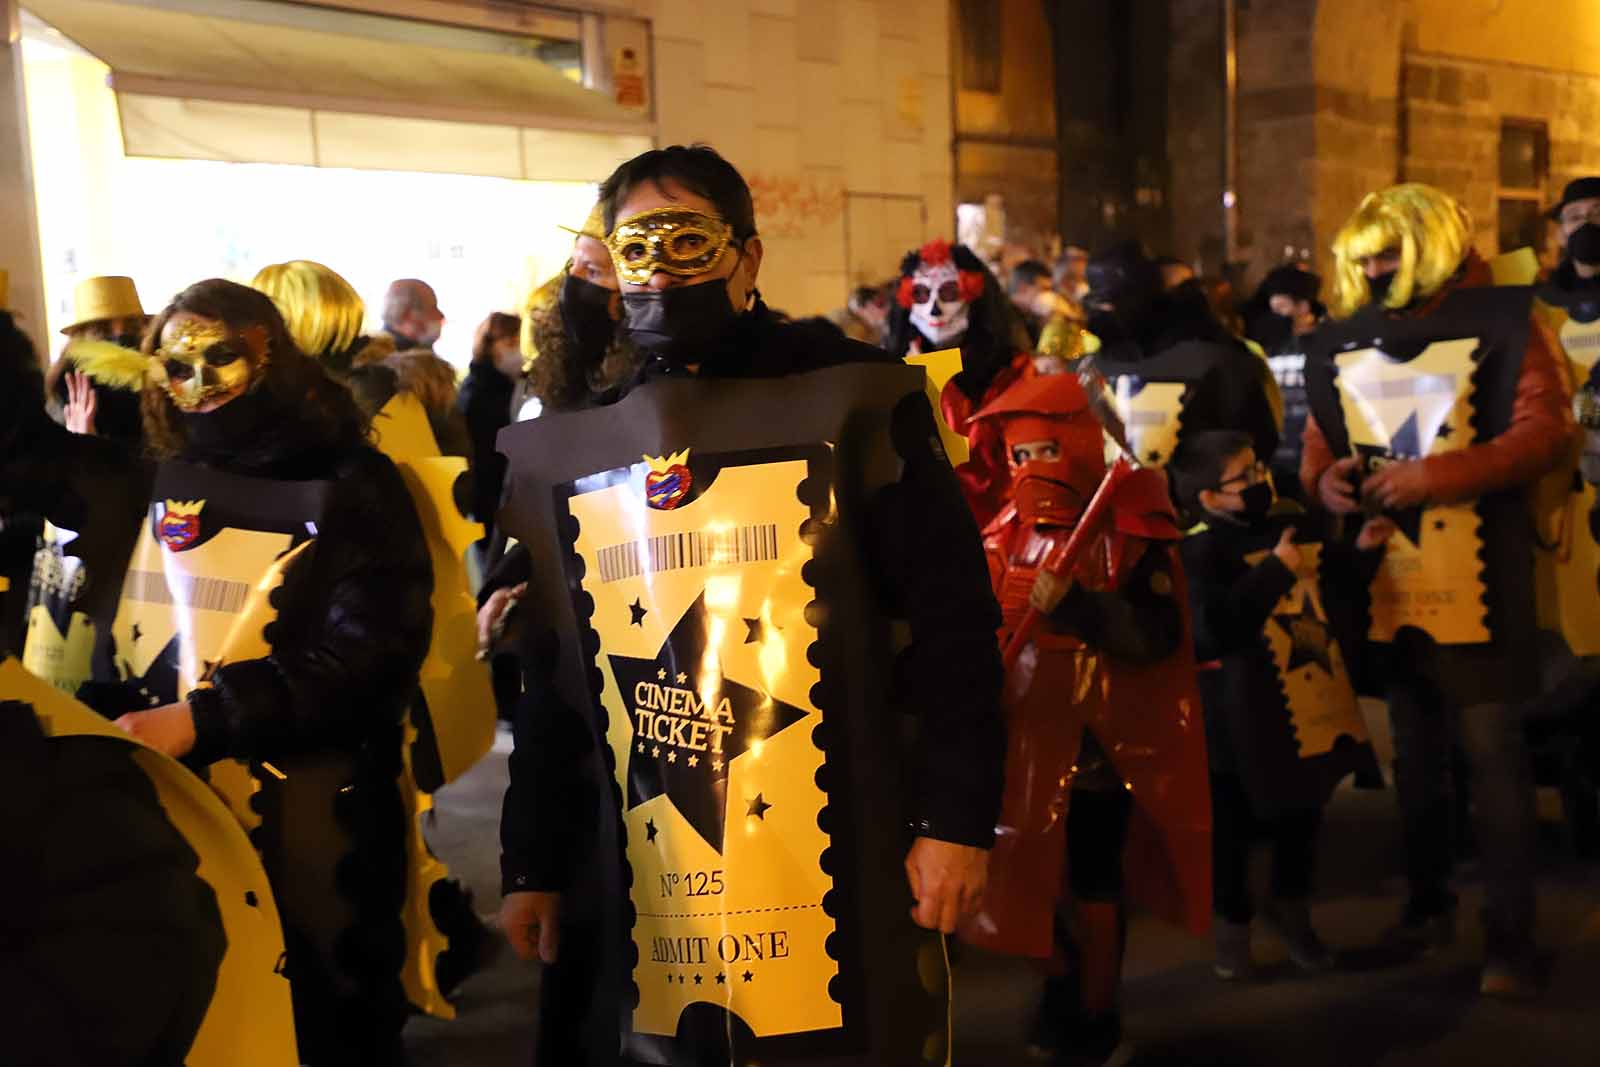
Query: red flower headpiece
[(935, 252), (932, 254)]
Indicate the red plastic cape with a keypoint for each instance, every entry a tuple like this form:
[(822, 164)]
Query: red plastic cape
[(986, 476), (1148, 721)]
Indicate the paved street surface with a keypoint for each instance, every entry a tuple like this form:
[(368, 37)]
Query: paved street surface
[(1376, 1010)]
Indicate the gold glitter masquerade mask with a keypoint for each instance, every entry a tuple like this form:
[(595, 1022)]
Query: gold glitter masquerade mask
[(670, 240), (202, 361)]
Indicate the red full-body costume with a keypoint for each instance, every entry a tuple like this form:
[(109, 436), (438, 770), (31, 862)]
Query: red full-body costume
[(1097, 694)]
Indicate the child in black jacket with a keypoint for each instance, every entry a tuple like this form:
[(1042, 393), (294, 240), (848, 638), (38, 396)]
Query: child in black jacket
[(1282, 723)]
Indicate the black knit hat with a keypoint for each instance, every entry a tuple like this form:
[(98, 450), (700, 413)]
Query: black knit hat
[(1291, 281), (1577, 189)]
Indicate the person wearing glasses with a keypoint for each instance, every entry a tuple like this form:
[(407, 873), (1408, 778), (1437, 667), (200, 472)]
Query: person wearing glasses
[(1282, 724)]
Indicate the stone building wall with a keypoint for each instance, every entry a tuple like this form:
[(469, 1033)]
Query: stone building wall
[(1453, 113), (1318, 114), (833, 109), (1006, 141)]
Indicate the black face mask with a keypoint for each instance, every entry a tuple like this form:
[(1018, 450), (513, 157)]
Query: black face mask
[(231, 428), (586, 316), (1584, 245), (681, 324), (1380, 285), (1257, 501)]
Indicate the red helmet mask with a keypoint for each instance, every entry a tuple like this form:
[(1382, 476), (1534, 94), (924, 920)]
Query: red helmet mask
[(1055, 446)]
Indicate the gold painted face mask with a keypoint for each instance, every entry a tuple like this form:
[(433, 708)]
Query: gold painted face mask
[(671, 240), (203, 360)]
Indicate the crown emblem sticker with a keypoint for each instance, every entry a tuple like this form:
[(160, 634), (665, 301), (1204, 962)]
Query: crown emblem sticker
[(179, 525), (668, 481)]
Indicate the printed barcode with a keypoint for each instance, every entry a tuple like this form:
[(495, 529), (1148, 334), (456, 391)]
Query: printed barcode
[(695, 548), (206, 594)]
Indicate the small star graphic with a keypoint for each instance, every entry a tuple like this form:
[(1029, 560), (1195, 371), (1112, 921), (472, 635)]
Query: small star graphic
[(1438, 524), (697, 979), (682, 678), (1153, 456), (722, 979), (638, 611), (672, 757), (669, 979), (661, 675), (747, 976), (650, 830), (641, 748), (694, 761), (680, 979), (655, 751), (1444, 431), (716, 765), (138, 631), (759, 807)]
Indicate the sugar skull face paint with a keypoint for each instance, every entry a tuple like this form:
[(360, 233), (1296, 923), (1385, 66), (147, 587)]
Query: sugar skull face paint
[(670, 240), (202, 360), (939, 304)]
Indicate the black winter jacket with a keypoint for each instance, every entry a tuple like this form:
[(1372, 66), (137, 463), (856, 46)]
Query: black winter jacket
[(485, 402), (1248, 730), (354, 614)]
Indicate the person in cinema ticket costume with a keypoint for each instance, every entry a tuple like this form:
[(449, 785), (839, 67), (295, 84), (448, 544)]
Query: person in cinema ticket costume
[(1438, 401), (746, 571), (270, 627)]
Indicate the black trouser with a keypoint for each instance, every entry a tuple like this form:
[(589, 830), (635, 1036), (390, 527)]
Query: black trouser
[(1097, 830), (333, 844), (1504, 817), (1235, 828)]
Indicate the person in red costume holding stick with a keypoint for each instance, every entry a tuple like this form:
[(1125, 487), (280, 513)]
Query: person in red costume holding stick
[(1106, 767)]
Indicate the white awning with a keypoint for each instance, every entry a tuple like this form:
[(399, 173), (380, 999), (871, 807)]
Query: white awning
[(260, 82)]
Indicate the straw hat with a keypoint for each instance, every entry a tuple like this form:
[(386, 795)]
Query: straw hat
[(104, 297)]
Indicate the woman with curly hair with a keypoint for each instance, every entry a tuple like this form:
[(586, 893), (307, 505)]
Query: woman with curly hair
[(230, 396)]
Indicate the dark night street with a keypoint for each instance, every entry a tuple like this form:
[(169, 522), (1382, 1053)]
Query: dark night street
[(1376, 1010)]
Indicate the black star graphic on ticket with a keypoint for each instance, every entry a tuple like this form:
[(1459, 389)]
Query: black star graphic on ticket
[(1308, 636), (681, 702)]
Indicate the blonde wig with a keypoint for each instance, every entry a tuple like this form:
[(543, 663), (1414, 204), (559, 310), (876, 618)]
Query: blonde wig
[(1426, 226), (322, 310)]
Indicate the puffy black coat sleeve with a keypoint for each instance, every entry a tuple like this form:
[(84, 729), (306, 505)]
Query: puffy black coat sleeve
[(552, 799), (1232, 600), (354, 623), (486, 406), (925, 542)]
